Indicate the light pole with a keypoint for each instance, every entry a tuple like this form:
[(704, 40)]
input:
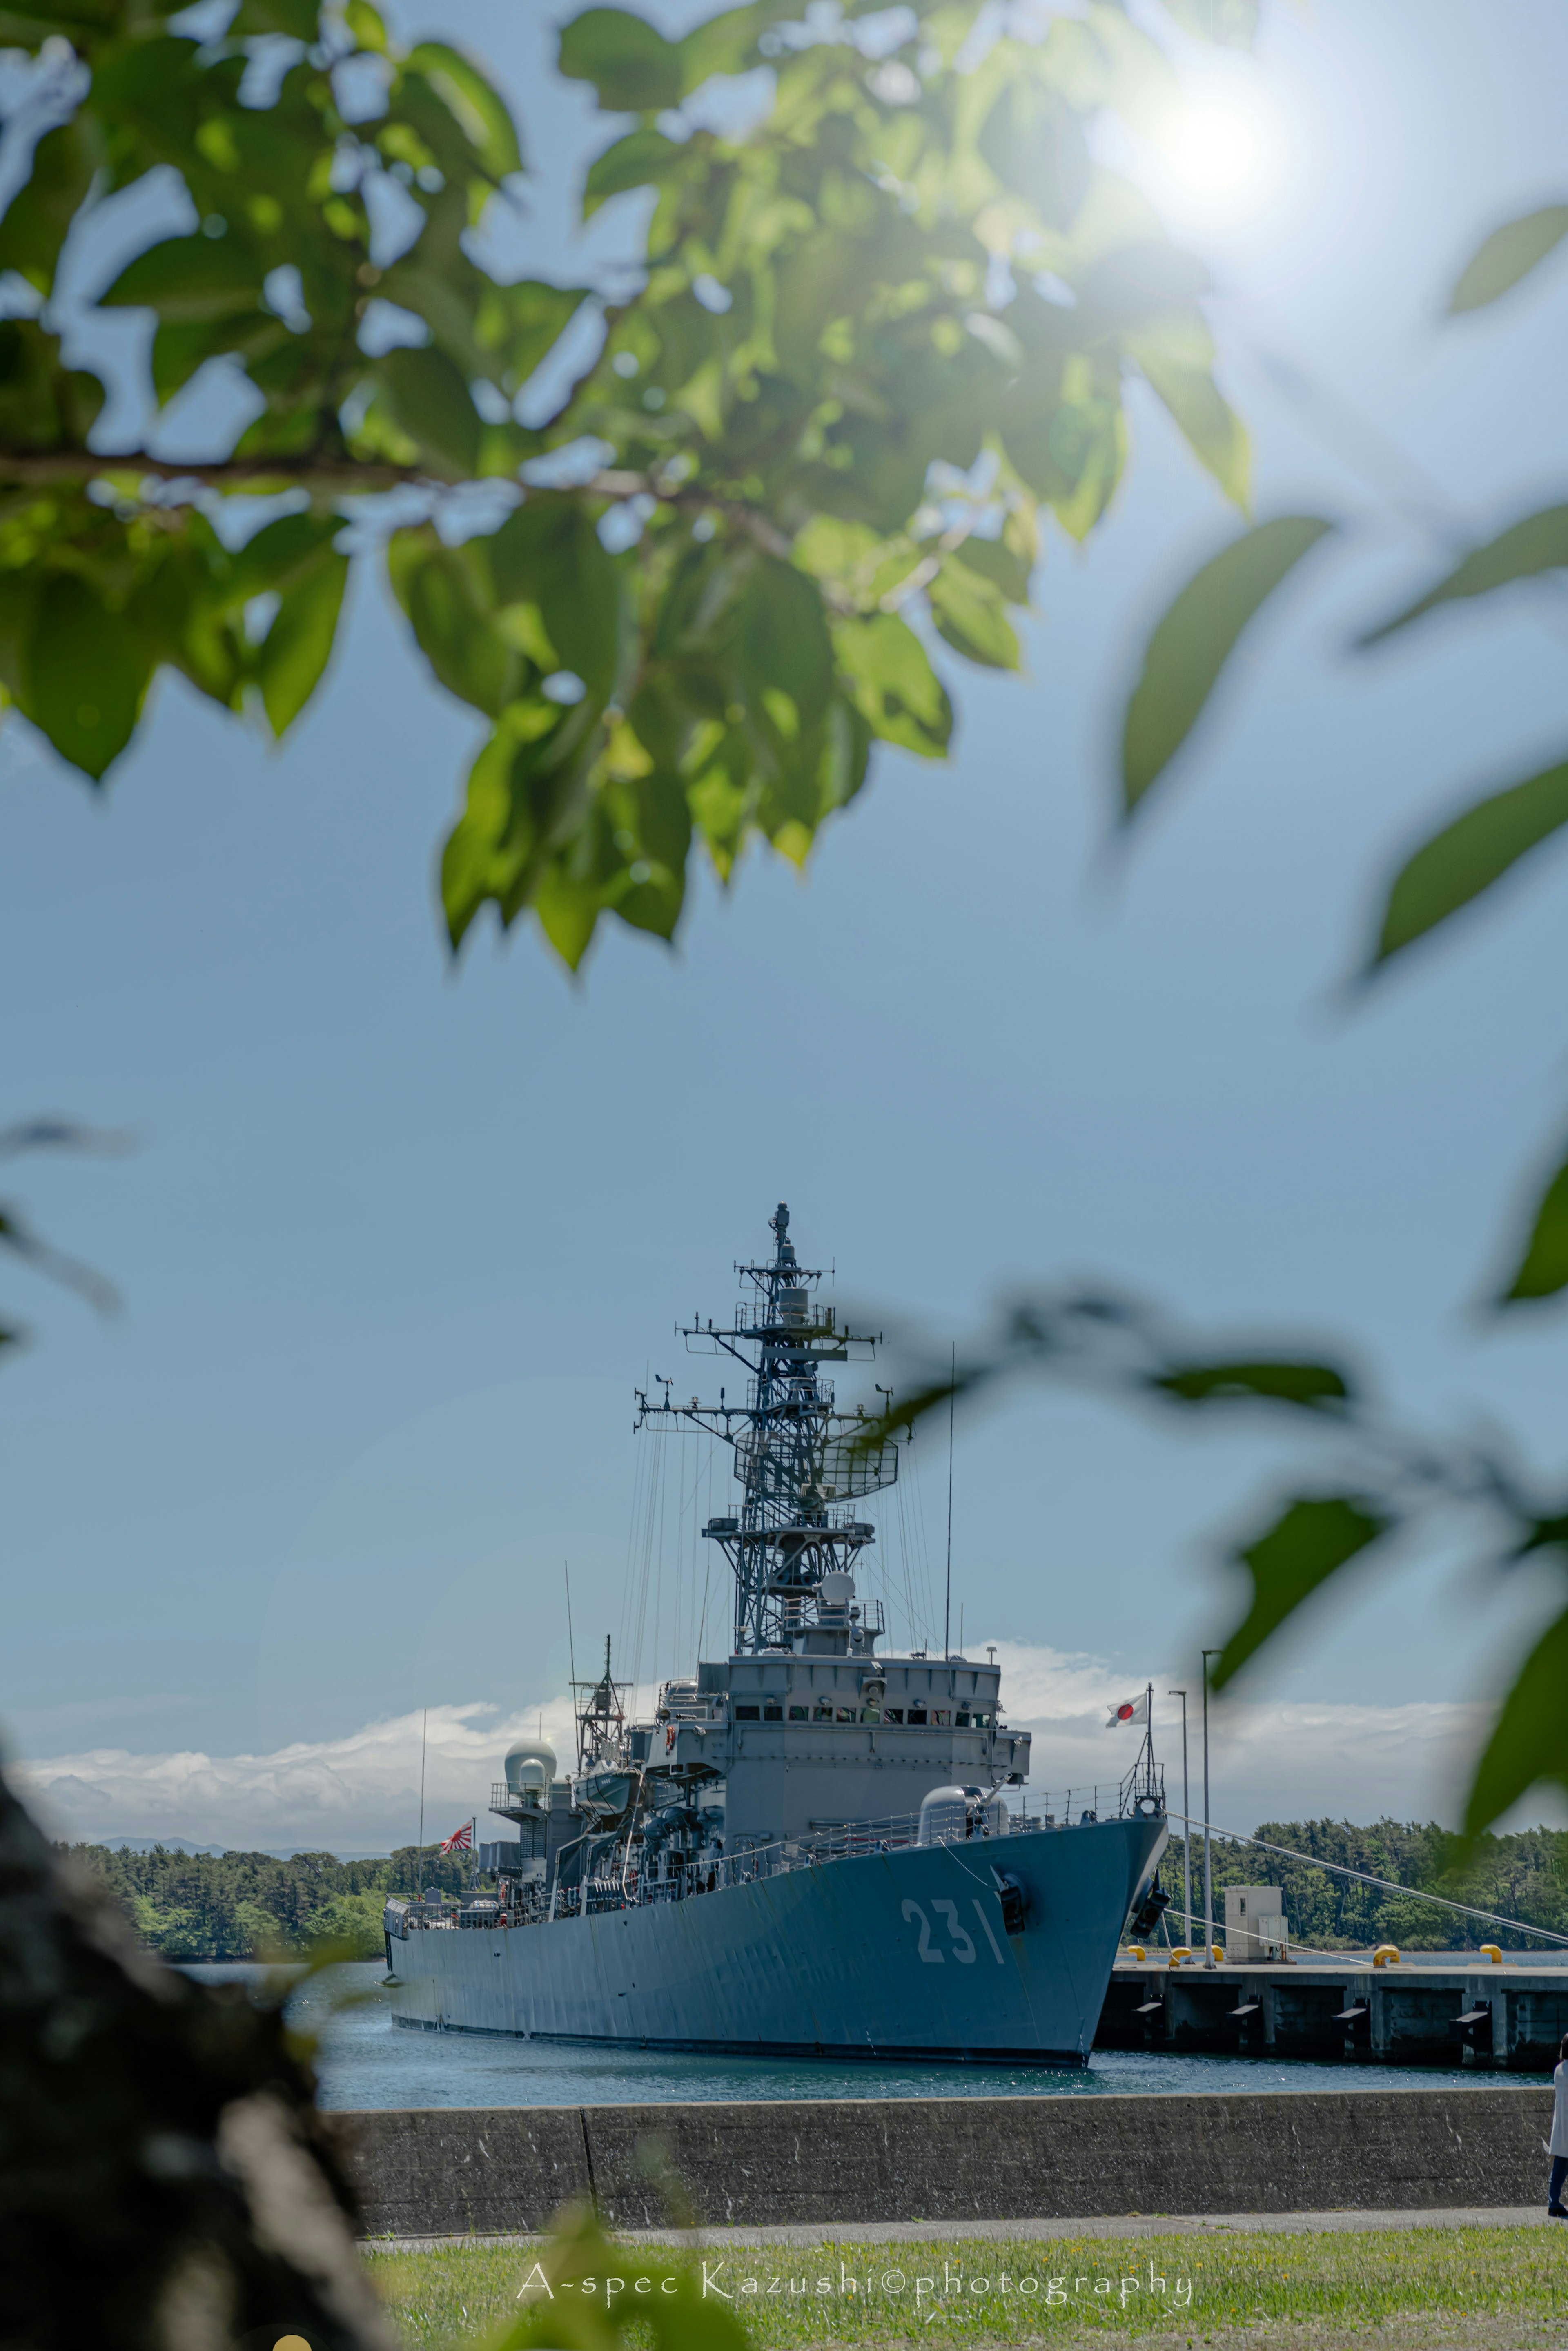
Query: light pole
[(1186, 1820), (1207, 1855)]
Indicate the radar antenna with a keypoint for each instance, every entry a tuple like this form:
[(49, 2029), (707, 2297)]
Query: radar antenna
[(800, 1468)]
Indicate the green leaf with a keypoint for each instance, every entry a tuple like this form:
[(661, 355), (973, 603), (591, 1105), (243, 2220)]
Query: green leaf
[(643, 157), (893, 685), (633, 68), (435, 406), (1542, 1269), (1210, 426), (188, 280), (1537, 543), (298, 646), (1194, 639), (1510, 254), (548, 558), (40, 213), (1526, 1745), (447, 598), (1468, 856), (299, 19), (367, 26), (1311, 1540), (474, 104), (281, 556), (87, 673), (1316, 1387), (969, 612)]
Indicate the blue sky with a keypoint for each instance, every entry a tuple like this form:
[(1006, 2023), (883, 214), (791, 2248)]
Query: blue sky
[(399, 1238)]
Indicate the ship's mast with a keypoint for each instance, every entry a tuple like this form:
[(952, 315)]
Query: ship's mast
[(799, 1464)]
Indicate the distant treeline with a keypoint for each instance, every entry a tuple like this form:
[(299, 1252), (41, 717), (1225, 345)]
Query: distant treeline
[(251, 1906), (243, 1905), (1523, 1877)]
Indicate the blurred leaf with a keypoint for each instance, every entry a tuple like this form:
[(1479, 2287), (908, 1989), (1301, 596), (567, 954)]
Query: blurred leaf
[(1468, 856), (894, 685), (433, 405), (188, 279), (1538, 543), (40, 213), (681, 2318), (1510, 254), (1193, 640), (447, 597), (633, 69), (969, 612), (1316, 1387), (298, 645), (1210, 426), (474, 102), (1231, 23), (298, 19), (366, 25), (1308, 1543), (1526, 1744), (1542, 1269), (87, 673), (638, 161)]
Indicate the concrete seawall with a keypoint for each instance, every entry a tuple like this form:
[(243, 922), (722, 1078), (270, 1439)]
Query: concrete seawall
[(451, 2171)]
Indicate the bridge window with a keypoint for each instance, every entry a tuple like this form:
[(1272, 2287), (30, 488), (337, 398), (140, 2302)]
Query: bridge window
[(748, 1714), (846, 1714), (824, 1710), (799, 1713), (963, 1722), (915, 1714), (772, 1714), (944, 1715), (895, 1714)]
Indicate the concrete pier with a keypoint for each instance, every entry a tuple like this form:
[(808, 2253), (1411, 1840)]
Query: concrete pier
[(1508, 2019), (821, 2163)]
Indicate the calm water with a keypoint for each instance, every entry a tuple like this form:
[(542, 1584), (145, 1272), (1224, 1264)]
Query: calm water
[(365, 2060)]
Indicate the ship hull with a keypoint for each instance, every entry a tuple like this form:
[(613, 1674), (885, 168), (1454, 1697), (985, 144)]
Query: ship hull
[(897, 1955)]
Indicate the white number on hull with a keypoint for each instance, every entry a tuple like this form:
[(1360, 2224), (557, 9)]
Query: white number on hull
[(963, 1944), (932, 1958), (963, 1947)]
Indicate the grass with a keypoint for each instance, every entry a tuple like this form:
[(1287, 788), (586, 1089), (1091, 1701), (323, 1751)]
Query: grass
[(1489, 2288)]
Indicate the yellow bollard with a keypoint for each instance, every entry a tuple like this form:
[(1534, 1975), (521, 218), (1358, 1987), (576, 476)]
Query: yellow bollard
[(1182, 1951), (1217, 1955), (1137, 1953), (1385, 1956), (1490, 1951)]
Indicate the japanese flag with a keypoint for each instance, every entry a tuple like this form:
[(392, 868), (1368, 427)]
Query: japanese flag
[(1132, 1710)]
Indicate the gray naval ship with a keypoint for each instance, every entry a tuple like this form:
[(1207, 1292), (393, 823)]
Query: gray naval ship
[(805, 1851)]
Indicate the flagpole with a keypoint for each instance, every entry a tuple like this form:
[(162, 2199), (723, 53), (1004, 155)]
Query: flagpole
[(1208, 1849), (1185, 1817), (419, 1865), (947, 1608)]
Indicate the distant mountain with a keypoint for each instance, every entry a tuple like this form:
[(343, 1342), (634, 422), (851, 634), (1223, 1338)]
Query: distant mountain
[(183, 1844)]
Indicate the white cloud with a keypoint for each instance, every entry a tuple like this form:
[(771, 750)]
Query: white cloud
[(356, 1792), (1284, 1761)]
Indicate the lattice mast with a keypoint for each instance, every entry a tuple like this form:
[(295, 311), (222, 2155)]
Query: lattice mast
[(797, 1463)]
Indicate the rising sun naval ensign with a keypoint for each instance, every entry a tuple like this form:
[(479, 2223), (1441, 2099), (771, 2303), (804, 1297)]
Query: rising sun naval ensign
[(804, 1851)]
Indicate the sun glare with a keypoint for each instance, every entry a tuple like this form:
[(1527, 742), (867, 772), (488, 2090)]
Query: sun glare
[(1218, 150)]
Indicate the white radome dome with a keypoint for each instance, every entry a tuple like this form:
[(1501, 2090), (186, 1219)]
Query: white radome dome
[(529, 1767)]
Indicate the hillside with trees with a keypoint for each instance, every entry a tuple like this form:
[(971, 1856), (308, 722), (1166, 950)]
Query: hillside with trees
[(253, 1905), (1522, 1876)]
